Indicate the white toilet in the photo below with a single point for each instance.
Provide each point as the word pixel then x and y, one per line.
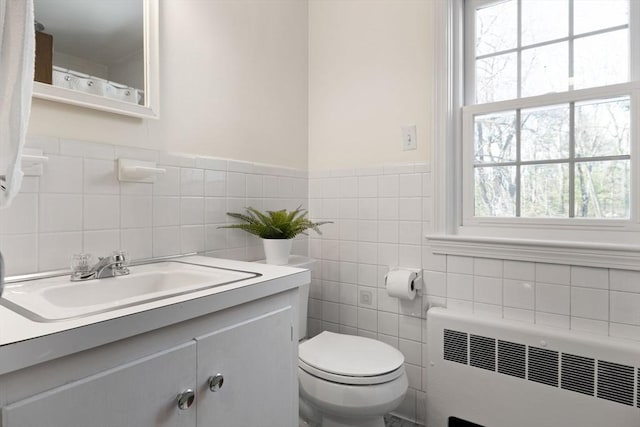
pixel 345 380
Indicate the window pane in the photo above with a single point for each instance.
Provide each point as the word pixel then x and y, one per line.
pixel 496 27
pixel 590 140
pixel 545 69
pixel 544 133
pixel 602 189
pixel 602 59
pixel 591 15
pixel 545 191
pixel 496 78
pixel 495 191
pixel 495 138
pixel 602 128
pixel 544 20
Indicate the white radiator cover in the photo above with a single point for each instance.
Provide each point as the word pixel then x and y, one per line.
pixel 499 373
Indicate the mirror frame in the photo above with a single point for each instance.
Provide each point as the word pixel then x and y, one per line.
pixel 151 78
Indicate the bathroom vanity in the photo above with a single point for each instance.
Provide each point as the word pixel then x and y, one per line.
pixel 223 356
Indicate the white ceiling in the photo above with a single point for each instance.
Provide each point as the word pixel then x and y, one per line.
pixel 104 31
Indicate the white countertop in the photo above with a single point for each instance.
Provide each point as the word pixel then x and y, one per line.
pixel 24 342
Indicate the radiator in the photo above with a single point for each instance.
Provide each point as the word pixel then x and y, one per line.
pixel 498 373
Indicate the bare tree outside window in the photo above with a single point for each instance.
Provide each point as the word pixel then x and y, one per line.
pixel 556 160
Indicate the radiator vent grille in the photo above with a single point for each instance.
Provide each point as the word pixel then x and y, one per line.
pixel 615 382
pixel 455 346
pixel 543 366
pixel 578 373
pixel 512 359
pixel 574 373
pixel 483 352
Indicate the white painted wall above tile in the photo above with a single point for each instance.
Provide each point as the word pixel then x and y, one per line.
pixel 355 116
pixel 257 115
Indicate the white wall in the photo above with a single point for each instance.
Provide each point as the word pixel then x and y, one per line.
pixel 233 84
pixel 369 74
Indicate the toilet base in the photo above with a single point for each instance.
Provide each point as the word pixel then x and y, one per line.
pixel 326 404
pixel 328 421
pixel 368 422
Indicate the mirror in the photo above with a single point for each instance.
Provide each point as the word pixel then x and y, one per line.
pixel 100 54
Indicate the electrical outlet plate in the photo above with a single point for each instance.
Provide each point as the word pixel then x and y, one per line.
pixel 366 297
pixel 409 138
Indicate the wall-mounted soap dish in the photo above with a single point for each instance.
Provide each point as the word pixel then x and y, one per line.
pixel 138 170
pixel 32 162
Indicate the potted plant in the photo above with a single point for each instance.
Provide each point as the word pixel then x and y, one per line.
pixel 276 228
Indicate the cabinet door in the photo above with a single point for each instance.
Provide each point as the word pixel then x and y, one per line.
pixel 257 359
pixel 141 393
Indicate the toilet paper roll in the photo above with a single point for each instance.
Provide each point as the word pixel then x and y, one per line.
pixel 401 284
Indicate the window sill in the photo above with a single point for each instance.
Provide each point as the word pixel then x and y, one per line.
pixel 547 251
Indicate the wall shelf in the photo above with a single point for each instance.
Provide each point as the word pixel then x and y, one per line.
pixel 32 162
pixel 138 171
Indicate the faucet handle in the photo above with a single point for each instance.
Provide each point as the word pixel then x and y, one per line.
pixel 121 257
pixel 120 260
pixel 80 265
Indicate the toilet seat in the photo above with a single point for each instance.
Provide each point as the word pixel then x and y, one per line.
pixel 348 359
pixel 350 380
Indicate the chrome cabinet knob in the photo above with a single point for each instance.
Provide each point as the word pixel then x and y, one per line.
pixel 215 382
pixel 186 399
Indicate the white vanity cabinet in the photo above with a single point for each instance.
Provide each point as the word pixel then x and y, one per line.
pixel 140 393
pixel 251 346
pixel 254 360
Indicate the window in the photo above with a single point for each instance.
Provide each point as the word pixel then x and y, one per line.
pixel 550 88
pixel 536 145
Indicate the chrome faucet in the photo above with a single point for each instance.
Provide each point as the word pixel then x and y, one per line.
pixel 109 266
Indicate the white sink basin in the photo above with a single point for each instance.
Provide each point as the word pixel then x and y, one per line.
pixel 58 298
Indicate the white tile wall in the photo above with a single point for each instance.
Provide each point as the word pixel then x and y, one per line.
pixel 380 215
pixel 78 205
pixel 378 223
pixel 63 212
pixel 519 294
pixel 590 303
pixel 460 286
pixel 520 270
pixel 624 280
pixel 625 308
pixel 552 298
pixel 487 290
pixel 590 277
pixel 368 241
pixel 24 217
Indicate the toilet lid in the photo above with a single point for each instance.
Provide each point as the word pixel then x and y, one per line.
pixel 349 355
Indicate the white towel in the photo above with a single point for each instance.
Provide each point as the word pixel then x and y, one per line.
pixel 121 92
pixel 17 57
pixel 94 86
pixel 61 79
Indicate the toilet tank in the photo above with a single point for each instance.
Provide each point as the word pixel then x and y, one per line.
pixel 299 261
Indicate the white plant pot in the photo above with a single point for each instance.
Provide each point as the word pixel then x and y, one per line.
pixel 277 250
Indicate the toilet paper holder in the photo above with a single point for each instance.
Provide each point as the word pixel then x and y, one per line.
pixel 416 283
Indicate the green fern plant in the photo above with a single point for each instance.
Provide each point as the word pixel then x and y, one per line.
pixel 280 224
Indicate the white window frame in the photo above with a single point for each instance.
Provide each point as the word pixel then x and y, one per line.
pixel 594 242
